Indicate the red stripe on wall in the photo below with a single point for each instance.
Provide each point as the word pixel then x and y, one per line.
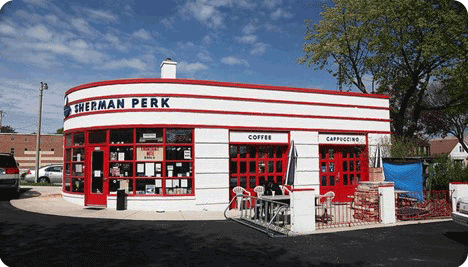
pixel 227 98
pixel 232 128
pixel 221 84
pixel 223 113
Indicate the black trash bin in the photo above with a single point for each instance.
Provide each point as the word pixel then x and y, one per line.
pixel 121 199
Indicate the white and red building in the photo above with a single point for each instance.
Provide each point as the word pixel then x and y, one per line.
pixel 180 144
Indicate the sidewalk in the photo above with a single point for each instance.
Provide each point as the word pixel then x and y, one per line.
pixel 48 200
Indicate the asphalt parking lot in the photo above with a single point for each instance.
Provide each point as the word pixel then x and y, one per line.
pixel 32 239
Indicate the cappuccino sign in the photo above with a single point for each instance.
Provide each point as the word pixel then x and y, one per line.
pixel 342 139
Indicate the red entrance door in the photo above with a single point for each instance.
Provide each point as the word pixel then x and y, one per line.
pixel 341 169
pixel 96 183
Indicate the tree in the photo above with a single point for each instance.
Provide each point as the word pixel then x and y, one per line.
pixel 401 46
pixel 59 131
pixel 7 129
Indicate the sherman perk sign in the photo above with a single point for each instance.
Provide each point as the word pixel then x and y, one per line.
pixel 116 103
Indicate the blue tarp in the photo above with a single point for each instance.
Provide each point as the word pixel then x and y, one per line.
pixel 406 176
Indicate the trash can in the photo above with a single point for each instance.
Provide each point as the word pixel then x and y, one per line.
pixel 121 199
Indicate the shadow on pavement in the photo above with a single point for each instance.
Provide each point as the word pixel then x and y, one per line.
pixel 460 237
pixel 24 193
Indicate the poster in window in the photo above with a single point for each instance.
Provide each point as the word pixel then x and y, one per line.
pixel 121 156
pixel 187 154
pixel 158 183
pixel 169 183
pixel 149 153
pixel 149 169
pixel 150 189
pixel 78 168
pixel 184 183
pixel 140 168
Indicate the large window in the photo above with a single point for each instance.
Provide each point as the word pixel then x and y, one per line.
pixel 143 161
pixel 73 178
pixel 252 165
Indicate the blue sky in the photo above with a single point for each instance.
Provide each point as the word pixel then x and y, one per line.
pixel 68 43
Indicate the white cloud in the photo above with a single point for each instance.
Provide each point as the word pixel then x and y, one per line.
pixel 272 28
pixel 185 46
pixel 204 56
pixel 7 29
pixel 52 18
pixel 125 63
pixel 142 34
pixel 191 68
pixel 115 41
pixel 82 26
pixel 245 4
pixel 234 61
pixel 39 32
pixel 249 28
pixel 43 60
pixel 204 12
pixel 79 44
pixel 259 49
pixel 207 39
pixel 247 39
pixel 281 13
pixel 169 22
pixel 99 14
pixel 41 3
pixel 271 3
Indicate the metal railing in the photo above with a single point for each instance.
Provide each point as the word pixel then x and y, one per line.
pixel 419 206
pixel 347 214
pixel 271 217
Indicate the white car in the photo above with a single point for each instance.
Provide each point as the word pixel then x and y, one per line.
pixel 9 173
pixel 47 174
pixel 460 215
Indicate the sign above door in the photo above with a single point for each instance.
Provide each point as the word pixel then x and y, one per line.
pixel 342 139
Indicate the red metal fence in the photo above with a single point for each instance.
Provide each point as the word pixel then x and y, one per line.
pixel 434 204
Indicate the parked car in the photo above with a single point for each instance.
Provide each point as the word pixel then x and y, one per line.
pixel 460 215
pixel 9 173
pixel 47 174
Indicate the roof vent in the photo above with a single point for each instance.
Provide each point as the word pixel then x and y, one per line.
pixel 168 69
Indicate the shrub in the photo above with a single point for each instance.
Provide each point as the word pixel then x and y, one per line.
pixel 443 171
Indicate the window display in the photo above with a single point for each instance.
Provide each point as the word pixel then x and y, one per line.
pixel 138 159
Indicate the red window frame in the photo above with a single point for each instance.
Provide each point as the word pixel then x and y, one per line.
pixel 249 178
pixel 132 177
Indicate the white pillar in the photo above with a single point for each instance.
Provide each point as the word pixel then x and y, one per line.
pixel 458 190
pixel 303 211
pixel 387 203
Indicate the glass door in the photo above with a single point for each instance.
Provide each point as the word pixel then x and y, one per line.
pixel 97 183
pixel 341 169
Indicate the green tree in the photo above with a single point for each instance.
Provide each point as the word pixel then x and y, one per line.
pixel 401 46
pixel 59 131
pixel 453 120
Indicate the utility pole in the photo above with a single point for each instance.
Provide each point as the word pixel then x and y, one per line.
pixel 38 134
pixel 2 113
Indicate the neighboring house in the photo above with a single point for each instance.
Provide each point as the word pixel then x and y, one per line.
pixel 23 147
pixel 451 147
